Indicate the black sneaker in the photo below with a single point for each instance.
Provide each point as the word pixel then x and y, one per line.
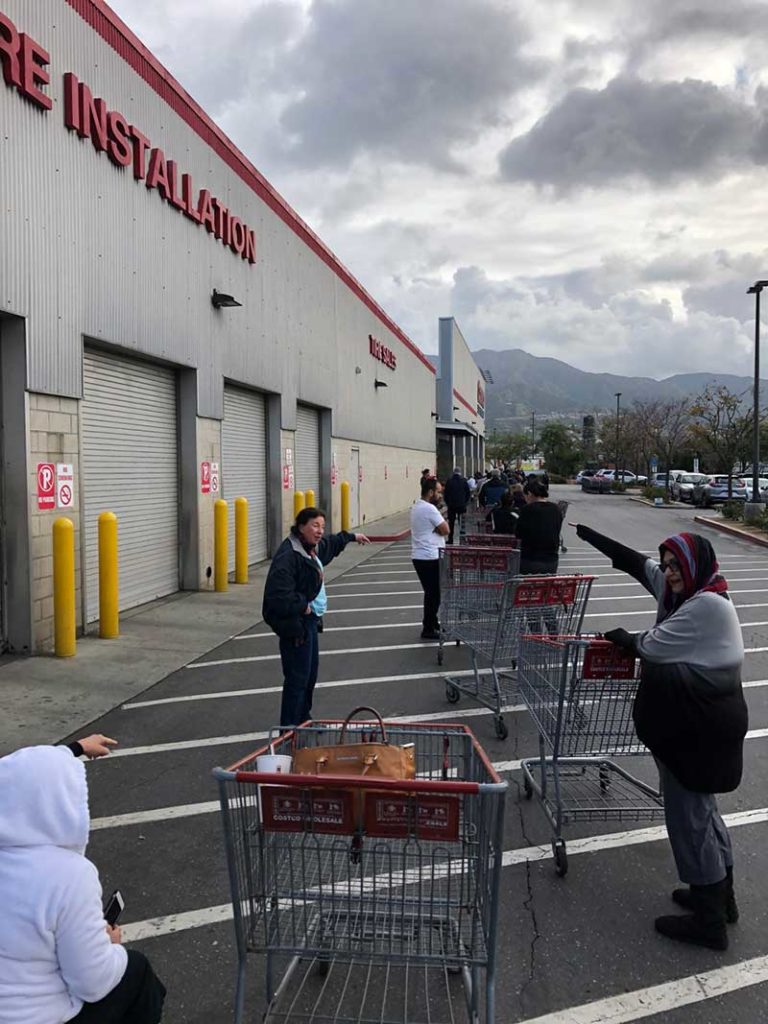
pixel 430 634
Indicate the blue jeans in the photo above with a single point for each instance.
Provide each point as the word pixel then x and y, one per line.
pixel 299 659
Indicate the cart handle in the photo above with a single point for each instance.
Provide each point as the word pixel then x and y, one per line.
pixel 359 782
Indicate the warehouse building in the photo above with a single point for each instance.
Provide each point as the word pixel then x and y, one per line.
pixel 171 332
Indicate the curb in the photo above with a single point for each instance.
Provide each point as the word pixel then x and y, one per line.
pixel 732 531
pixel 389 538
pixel 650 504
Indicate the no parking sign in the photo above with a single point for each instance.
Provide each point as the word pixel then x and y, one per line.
pixel 46 486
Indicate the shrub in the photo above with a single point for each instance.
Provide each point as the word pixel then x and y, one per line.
pixel 734 510
pixel 555 478
pixel 618 487
pixel 650 492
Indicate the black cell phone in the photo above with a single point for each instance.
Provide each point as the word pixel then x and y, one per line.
pixel 114 908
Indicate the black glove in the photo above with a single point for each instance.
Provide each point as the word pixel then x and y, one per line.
pixel 621 638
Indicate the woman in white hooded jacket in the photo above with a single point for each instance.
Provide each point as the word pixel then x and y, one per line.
pixel 58 962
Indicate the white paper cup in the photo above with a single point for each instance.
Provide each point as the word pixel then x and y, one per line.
pixel 281 763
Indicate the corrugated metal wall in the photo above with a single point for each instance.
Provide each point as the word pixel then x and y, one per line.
pixel 88 251
pixel 244 467
pixel 308 450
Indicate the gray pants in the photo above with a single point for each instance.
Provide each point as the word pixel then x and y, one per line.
pixel 697 834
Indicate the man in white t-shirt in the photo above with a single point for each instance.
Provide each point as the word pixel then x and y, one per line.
pixel 428 533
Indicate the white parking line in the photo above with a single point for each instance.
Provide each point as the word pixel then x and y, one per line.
pixel 662 998
pixel 364 681
pixel 345 650
pixel 212 741
pixel 279 689
pixel 172 923
pixel 210 806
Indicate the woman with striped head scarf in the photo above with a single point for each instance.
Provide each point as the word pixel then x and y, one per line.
pixel 691 714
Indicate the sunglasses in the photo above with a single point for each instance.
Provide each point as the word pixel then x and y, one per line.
pixel 672 564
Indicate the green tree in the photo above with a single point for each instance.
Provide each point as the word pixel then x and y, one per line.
pixel 562 448
pixel 507 447
pixel 720 428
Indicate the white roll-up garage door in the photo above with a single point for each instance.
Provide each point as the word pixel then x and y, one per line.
pixel 130 467
pixel 244 466
pixel 308 450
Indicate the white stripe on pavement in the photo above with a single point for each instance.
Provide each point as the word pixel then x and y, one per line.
pixel 278 689
pixel 662 998
pixel 212 741
pixel 171 923
pixel 346 650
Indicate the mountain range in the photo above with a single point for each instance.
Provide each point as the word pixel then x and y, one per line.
pixel 525 384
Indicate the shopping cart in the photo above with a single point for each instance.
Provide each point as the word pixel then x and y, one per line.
pixel 525 604
pixel 377 915
pixel 475 520
pixel 580 692
pixel 491 540
pixel 562 508
pixel 469 586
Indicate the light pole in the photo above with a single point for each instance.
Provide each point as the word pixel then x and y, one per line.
pixel 756 504
pixel 618 409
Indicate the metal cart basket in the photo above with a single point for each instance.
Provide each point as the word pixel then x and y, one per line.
pixel 470 581
pixel 474 520
pixel 491 540
pixel 525 604
pixel 580 692
pixel 376 899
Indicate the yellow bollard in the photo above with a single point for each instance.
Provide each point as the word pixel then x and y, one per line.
pixel 309 498
pixel 220 551
pixel 109 591
pixel 345 510
pixel 241 540
pixel 64 643
pixel 298 502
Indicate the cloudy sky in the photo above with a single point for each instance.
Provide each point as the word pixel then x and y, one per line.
pixel 582 179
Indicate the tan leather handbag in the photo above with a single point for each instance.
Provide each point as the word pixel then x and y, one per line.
pixel 375 759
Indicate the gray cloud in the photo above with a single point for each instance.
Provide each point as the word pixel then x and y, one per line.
pixel 665 132
pixel 405 80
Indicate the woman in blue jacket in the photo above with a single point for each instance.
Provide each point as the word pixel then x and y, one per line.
pixel 294 604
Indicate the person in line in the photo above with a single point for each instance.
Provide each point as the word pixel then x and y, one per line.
pixel 294 604
pixel 538 529
pixel 428 533
pixel 59 960
pixel 691 714
pixel 504 517
pixel 492 490
pixel 518 497
pixel 457 495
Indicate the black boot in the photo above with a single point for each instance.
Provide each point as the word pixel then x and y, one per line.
pixel 706 925
pixel 682 898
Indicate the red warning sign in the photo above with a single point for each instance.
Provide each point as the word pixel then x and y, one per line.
pixel 205 478
pixel 46 486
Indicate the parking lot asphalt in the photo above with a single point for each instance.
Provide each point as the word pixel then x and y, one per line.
pixel 578 949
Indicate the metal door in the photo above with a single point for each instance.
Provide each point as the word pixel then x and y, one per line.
pixel 244 466
pixel 308 449
pixel 129 466
pixel 354 488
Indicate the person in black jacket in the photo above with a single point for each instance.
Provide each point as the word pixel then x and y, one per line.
pixel 691 714
pixel 504 517
pixel 456 495
pixel 294 603
pixel 538 529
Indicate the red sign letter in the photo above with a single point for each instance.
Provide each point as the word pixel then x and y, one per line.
pixel 9 52
pixel 33 62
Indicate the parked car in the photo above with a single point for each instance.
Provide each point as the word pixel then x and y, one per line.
pixel 626 475
pixel 660 479
pixel 596 484
pixel 682 487
pixel 714 489
pixel 584 472
pixel 762 483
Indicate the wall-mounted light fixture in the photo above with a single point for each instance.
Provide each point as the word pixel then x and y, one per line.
pixel 380 384
pixel 221 301
pixel 433 415
pixel 456 408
